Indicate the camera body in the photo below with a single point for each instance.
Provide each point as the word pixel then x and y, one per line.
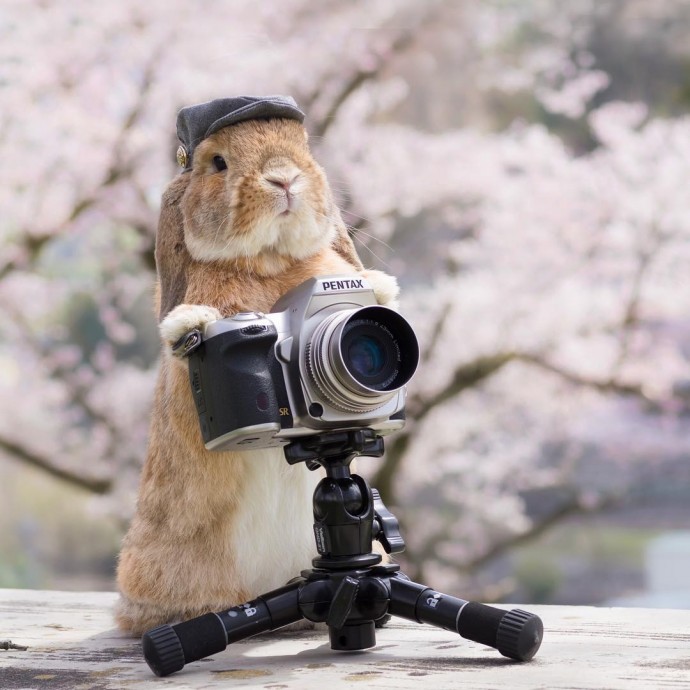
pixel 328 357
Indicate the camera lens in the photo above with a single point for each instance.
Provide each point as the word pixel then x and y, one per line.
pixel 366 356
pixel 359 358
pixel 371 353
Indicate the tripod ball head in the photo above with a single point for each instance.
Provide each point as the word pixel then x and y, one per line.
pixel 339 500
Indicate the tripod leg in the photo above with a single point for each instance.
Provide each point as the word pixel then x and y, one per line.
pixel 168 648
pixel 516 634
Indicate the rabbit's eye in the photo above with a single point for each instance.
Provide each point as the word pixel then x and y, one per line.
pixel 219 163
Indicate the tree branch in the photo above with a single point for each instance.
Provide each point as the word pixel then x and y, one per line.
pixel 469 375
pixel 119 169
pixel 400 43
pixel 465 376
pixel 573 506
pixel 92 484
pixel 630 320
pixel 608 385
pixel 78 399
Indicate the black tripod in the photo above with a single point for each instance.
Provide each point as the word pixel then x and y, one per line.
pixel 348 588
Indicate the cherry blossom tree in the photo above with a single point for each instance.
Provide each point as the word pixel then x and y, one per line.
pixel 545 281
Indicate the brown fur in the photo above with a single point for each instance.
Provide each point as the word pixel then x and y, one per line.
pixel 178 558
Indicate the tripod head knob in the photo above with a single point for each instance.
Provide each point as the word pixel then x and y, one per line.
pixel 386 526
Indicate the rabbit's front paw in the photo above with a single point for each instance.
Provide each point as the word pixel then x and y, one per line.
pixel 385 288
pixel 185 318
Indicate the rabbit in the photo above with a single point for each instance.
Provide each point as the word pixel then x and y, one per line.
pixel 252 218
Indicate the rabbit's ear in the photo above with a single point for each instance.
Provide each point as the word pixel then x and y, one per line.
pixel 172 257
pixel 343 244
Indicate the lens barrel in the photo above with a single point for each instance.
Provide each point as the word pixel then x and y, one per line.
pixel 360 358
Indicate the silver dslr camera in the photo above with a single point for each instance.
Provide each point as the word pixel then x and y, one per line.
pixel 327 357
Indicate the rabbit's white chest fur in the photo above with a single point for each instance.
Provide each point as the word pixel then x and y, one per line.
pixel 272 534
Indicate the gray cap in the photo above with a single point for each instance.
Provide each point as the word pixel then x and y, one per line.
pixel 196 122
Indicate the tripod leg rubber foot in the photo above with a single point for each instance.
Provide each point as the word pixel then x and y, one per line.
pixel 519 635
pixel 163 650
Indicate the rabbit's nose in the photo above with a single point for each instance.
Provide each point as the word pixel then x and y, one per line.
pixel 284 179
pixel 283 182
pixel 281 172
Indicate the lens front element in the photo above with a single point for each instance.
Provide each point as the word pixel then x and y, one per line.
pixel 366 355
pixel 371 353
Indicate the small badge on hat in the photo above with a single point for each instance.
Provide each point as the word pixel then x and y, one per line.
pixel 182 156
